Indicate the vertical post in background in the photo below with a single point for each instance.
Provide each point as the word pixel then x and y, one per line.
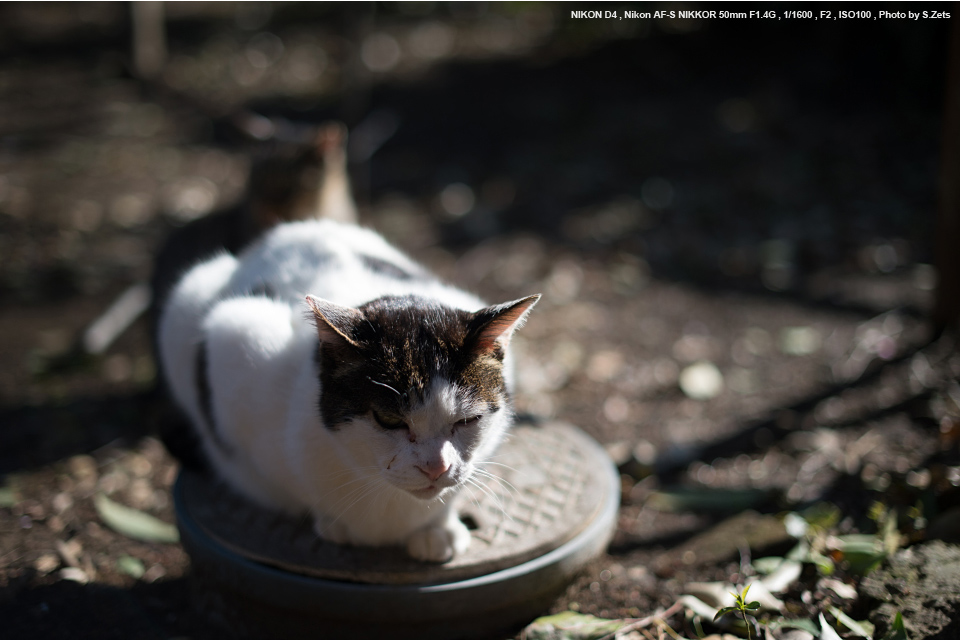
pixel 947 241
pixel 149 38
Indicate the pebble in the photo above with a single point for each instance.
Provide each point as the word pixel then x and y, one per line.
pixel 800 341
pixel 616 408
pixel 701 380
pixel 154 573
pixel 56 524
pixel 140 494
pixel 46 563
pixel 604 365
pixel 70 551
pixel 618 451
pixel 138 465
pixel 62 501
pixel 84 469
pixel 74 574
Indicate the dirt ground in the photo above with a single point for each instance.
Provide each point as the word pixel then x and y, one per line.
pixel 751 198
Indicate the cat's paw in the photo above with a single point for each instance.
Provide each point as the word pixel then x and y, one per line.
pixel 439 543
pixel 331 530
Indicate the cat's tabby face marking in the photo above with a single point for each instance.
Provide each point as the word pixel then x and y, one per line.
pixel 418 381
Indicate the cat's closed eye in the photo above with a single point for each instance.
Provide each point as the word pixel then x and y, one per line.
pixel 389 422
pixel 469 421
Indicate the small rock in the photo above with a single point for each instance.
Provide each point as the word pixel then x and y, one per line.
pixel 618 451
pixel 799 341
pixel 33 509
pixel 84 469
pixel 70 551
pixel 616 408
pixel 62 501
pixel 154 573
pixel 56 524
pixel 603 366
pixel 138 465
pixel 645 452
pixel 701 380
pixel 74 574
pixel 46 563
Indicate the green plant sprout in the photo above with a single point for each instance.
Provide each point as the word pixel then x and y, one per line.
pixel 740 606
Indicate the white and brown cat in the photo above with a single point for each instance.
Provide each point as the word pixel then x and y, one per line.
pixel 326 372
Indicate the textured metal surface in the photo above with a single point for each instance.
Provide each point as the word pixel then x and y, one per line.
pixel 552 484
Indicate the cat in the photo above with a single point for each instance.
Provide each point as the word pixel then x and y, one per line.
pixel 328 373
pixel 297 172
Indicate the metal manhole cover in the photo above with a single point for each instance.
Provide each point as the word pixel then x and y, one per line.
pixel 549 489
pixel 262 574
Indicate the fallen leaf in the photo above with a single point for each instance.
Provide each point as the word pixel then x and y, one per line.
pixel 570 625
pixel 131 566
pixel 8 496
pixel 863 552
pixel 826 631
pixel 780 579
pixel 134 524
pixel 842 589
pixel 863 629
pixel 767 565
pixel 698 606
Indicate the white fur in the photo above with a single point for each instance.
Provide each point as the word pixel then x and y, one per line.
pixel 362 484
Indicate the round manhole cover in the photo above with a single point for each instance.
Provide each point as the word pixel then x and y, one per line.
pixel 550 509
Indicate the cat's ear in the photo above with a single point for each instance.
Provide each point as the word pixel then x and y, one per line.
pixel 334 323
pixel 492 327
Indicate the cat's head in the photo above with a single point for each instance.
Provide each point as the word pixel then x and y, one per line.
pixel 416 388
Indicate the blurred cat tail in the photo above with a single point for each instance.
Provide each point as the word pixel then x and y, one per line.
pixel 335 199
pixel 324 147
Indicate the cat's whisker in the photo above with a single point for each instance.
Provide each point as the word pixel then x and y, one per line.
pixel 468 486
pixel 340 486
pixel 501 481
pixel 381 384
pixel 357 495
pixel 364 481
pixel 494 498
pixel 478 480
pixel 382 497
pixel 499 464
pixel 499 497
pixel 493 461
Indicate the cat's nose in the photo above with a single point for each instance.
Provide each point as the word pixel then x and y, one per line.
pixel 434 470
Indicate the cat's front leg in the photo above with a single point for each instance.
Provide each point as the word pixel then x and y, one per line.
pixel 439 542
